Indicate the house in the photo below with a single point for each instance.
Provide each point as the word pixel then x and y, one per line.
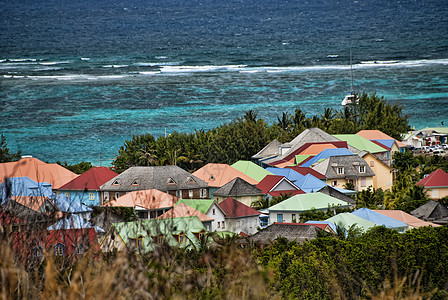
pixel 436 184
pixel 380 137
pixel 240 190
pixel 73 222
pixel 182 210
pixel 211 209
pixel 24 186
pixel 276 185
pixel 216 175
pixel 86 187
pixel 410 220
pixel 328 226
pixel 307 183
pixel 363 144
pixel 145 235
pixel 17 217
pixel 148 204
pixel 348 220
pixel 381 219
pixel 37 171
pixel 252 170
pixel 336 193
pixel 341 170
pixel 305 171
pixel 432 211
pixel 66 243
pixel 104 220
pixel 286 153
pixel 240 218
pixel 289 210
pixel 326 153
pixel 432 136
pixel 168 179
pixel 384 175
pixel 291 231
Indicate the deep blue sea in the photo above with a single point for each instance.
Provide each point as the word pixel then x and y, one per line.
pixel 78 78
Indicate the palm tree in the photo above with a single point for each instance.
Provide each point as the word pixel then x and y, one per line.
pixel 298 118
pixel 327 117
pixel 284 122
pixel 251 116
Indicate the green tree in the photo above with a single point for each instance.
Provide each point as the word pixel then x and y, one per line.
pixel 5 155
pixel 77 168
pixel 371 198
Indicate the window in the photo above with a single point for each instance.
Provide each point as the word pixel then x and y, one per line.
pixel 181 238
pixel 223 224
pixel 190 193
pixel 212 177
pixel 238 223
pixel 59 250
pixel 38 252
pixel 190 180
pixel 179 193
pixel 139 242
pixel 362 169
pixel 170 181
pixel 372 163
pixel 106 196
pixel 116 182
pixel 280 218
pixel 117 195
pixel 80 249
pixel 67 195
pixel 363 181
pixel 160 239
pixel 203 193
pixel 201 235
pixel 213 211
pixel 340 170
pixel 219 224
pixel 293 218
pixel 91 196
pixel 135 182
pixel 334 183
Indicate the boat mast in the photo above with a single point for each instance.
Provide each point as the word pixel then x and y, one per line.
pixel 351 72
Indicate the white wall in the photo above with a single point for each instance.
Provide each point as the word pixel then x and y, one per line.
pixel 218 216
pixel 245 224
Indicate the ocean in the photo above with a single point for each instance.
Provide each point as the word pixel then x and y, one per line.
pixel 78 78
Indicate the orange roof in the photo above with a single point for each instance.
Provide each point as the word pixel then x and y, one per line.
pixel 315 149
pixel 38 171
pixel 378 135
pixel 286 163
pixel 33 202
pixel 405 218
pixel 149 199
pixel 217 175
pixel 183 210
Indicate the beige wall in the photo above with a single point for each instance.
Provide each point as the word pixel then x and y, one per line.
pixel 383 174
pixel 341 182
pixel 437 193
pixel 247 200
pixel 108 244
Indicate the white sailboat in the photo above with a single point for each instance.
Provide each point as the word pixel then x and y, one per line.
pixel 350 98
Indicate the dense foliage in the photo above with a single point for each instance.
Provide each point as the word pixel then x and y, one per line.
pixel 333 268
pixel 5 155
pixel 77 168
pixel 247 135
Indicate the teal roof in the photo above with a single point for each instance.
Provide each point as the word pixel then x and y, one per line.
pixel 304 202
pixel 252 170
pixel 202 205
pixel 436 129
pixel 360 143
pixel 346 220
pixel 148 229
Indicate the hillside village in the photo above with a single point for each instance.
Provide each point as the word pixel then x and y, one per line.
pixel 57 211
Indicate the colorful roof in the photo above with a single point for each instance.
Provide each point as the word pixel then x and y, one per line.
pixel 378 135
pixel 306 202
pixel 270 182
pixel 406 218
pixel 438 178
pixel 36 203
pixel 304 171
pixel 236 209
pixel 347 220
pixel 37 170
pixel 330 224
pixel 182 210
pixel 325 154
pixel 149 199
pixel 315 149
pixel 310 184
pixel 386 144
pixel 90 180
pixel 216 175
pixel 380 219
pixel 24 186
pixel 202 205
pixel 360 143
pixel 73 222
pixel 250 169
pixel 237 187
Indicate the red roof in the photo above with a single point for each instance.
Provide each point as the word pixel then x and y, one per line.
pixel 438 178
pixel 381 145
pixel 270 181
pixel 90 180
pixel 305 170
pixel 235 209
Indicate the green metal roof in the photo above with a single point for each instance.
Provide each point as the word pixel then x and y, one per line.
pixel 252 170
pixel 346 220
pixel 202 205
pixel 148 229
pixel 301 158
pixel 443 130
pixel 304 202
pixel 360 143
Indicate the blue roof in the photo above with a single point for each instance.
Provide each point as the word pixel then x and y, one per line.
pixel 73 222
pixel 24 186
pixel 331 224
pixel 310 184
pixel 292 175
pixel 65 204
pixel 387 143
pixel 326 154
pixel 380 219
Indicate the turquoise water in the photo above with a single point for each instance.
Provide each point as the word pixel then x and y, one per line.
pixel 73 73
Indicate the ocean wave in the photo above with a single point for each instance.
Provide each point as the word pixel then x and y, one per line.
pixel 209 68
pixel 19 60
pixel 85 58
pixel 149 73
pixel 115 66
pixel 50 63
